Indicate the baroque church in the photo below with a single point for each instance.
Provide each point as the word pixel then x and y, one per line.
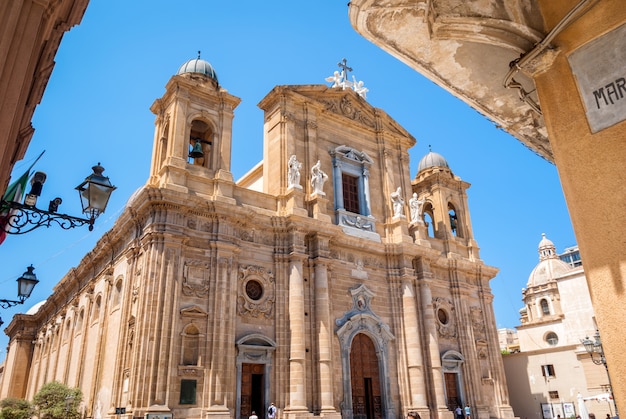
pixel 326 280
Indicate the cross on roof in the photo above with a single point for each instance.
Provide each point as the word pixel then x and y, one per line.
pixel 343 64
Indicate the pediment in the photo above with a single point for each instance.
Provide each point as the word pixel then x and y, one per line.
pixel 342 103
pixel 350 105
pixel 193 311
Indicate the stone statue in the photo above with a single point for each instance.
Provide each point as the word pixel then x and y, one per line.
pixel 415 205
pixel 293 173
pixel 398 203
pixel 318 177
pixel 359 88
pixel 336 78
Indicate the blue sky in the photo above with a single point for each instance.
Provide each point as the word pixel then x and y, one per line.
pixel 112 67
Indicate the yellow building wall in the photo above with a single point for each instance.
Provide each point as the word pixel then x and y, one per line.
pixel 592 172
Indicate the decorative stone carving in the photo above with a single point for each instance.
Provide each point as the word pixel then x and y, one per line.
pixel 357 222
pixel 195 278
pixel 445 319
pixel 478 323
pixel 256 290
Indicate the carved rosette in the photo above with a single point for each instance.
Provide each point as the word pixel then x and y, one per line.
pixel 444 315
pixel 195 278
pixel 256 290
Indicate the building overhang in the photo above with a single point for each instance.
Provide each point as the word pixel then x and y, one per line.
pixel 468 49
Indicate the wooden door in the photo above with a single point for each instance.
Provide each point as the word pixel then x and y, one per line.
pixel 365 379
pixel 252 390
pixel 452 391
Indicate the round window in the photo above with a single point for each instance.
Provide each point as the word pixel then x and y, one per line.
pixel 442 315
pixel 254 290
pixel 552 339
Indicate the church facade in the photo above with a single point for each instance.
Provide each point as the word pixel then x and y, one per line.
pixel 327 280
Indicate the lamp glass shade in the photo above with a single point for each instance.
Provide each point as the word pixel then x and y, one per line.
pixel 26 283
pixel 588 344
pixel 95 192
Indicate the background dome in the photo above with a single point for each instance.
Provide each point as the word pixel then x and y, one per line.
pixel 198 65
pixel 550 266
pixel 548 270
pixel 432 159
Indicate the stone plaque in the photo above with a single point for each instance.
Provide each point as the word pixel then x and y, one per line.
pixel 599 68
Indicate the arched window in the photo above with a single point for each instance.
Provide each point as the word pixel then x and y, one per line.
pixel 67 328
pixel 117 293
pixel 429 219
pixel 454 220
pixel 200 142
pixel 545 307
pixel 95 313
pixel 163 145
pixel 79 321
pixel 191 345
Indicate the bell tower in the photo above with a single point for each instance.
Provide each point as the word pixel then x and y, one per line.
pixel 193 131
pixel 445 213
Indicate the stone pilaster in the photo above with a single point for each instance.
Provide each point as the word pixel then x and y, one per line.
pixel 324 339
pixel 297 345
pixel 432 344
pixel 415 363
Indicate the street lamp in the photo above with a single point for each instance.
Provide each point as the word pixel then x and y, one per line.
pixel 69 400
pixel 94 193
pixel 25 285
pixel 594 347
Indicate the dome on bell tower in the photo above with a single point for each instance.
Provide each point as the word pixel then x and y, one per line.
pixel 432 159
pixel 198 65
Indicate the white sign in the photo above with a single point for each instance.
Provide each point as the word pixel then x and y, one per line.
pixel 600 71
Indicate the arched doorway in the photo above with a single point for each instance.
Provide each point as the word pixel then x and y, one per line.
pixel 451 362
pixel 364 335
pixel 365 379
pixel 254 363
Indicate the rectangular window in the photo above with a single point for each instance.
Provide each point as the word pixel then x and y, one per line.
pixel 548 370
pixel 187 392
pixel 553 394
pixel 350 193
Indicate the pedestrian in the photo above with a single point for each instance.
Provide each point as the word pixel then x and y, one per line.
pixel 253 415
pixel 271 411
pixel 458 412
pixel 467 411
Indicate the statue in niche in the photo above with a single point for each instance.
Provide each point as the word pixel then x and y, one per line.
pixel 415 205
pixel 398 203
pixel 318 177
pixel 293 174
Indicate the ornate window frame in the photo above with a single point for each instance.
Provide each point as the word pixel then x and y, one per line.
pixel 354 163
